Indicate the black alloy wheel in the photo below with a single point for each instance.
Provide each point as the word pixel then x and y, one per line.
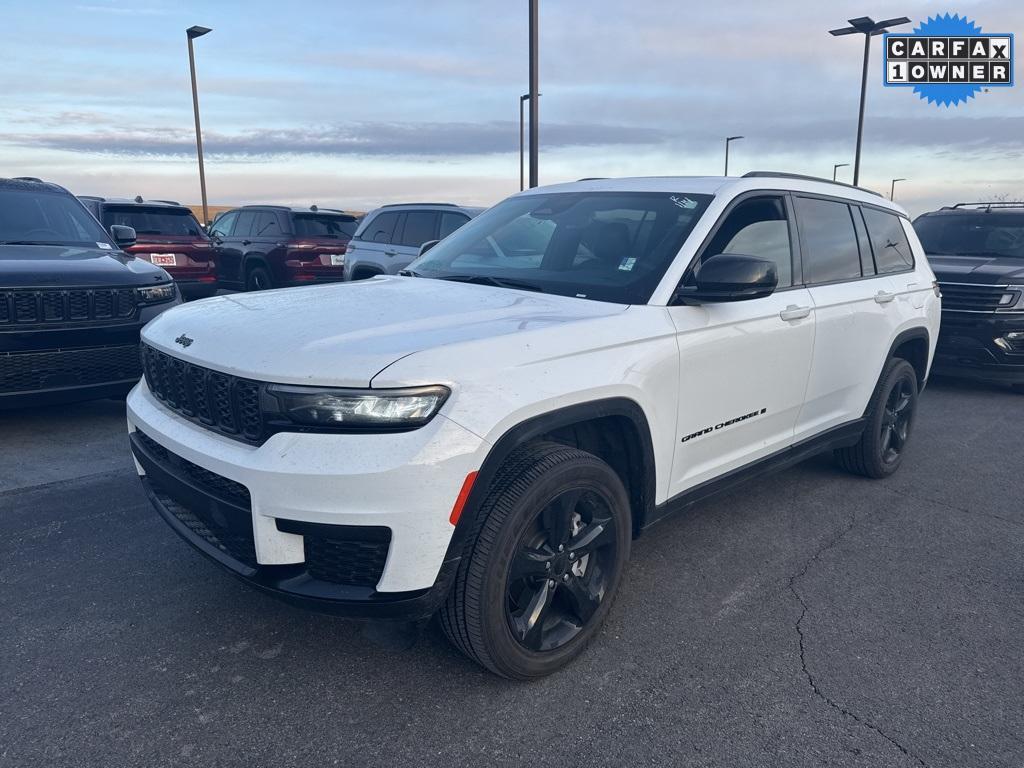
pixel 899 408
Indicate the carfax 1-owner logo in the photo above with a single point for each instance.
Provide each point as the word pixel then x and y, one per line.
pixel 948 59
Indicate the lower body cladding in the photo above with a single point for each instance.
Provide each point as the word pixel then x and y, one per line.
pixel 981 346
pixel 349 524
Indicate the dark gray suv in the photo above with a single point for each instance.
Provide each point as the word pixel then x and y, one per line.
pixel 389 238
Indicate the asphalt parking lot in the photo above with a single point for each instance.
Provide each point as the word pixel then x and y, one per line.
pixel 811 619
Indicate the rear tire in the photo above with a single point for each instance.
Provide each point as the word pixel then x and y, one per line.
pixel 258 279
pixel 551 543
pixel 890 419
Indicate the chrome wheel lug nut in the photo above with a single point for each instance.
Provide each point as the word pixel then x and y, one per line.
pixel 572 555
pixel 551 583
pixel 565 577
pixel 547 566
pixel 561 547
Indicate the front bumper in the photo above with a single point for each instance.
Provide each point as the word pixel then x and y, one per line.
pixel 967 347
pixel 291 517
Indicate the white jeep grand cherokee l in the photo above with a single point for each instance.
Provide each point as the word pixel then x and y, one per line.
pixel 584 359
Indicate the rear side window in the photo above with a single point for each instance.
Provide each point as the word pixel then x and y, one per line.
pixel 382 228
pixel 449 223
pixel 420 226
pixel 830 250
pixel 222 227
pixel 888 241
pixel 267 225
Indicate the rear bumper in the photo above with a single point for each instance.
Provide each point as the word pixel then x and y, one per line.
pixel 967 347
pixel 196 288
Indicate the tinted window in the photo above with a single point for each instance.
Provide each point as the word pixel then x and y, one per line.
pixel 47 218
pixel 420 226
pixel 153 221
pixel 757 227
pixel 608 246
pixel 382 228
pixel 325 225
pixel 267 225
pixel 830 242
pixel 888 241
pixel 999 233
pixel 222 227
pixel 244 225
pixel 867 261
pixel 449 223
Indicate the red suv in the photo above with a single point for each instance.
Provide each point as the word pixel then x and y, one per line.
pixel 167 235
pixel 272 246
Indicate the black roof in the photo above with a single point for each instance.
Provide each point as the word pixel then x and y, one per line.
pixel 31 184
pixel 133 201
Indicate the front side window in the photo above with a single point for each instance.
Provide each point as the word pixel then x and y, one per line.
pixel 757 227
pixel 888 241
pixel 382 228
pixel 244 226
pixel 608 246
pixel 222 227
pixel 830 249
pixel 174 222
pixel 449 223
pixel 982 234
pixel 47 218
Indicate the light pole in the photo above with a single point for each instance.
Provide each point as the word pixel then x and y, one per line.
pixel 522 132
pixel 836 167
pixel 192 33
pixel 534 91
pixel 727 140
pixel 892 188
pixel 868 27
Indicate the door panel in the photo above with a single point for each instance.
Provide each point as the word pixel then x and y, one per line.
pixel 743 374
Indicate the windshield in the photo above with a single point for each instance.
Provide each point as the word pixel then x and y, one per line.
pixel 973 234
pixel 608 246
pixel 176 222
pixel 40 217
pixel 312 225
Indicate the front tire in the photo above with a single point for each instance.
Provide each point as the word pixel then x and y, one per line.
pixel 890 418
pixel 258 279
pixel 551 542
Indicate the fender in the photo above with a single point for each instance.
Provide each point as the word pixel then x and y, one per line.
pixel 546 422
pixel 918 332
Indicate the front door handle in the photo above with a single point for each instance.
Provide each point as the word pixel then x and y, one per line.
pixel 390 253
pixel 793 312
pixel 247 242
pixel 884 297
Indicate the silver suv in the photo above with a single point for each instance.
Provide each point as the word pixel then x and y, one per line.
pixel 390 237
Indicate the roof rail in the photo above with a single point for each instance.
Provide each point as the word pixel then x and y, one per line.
pixel 262 205
pixel 804 177
pixel 28 178
pixel 593 178
pixel 990 205
pixel 169 202
pixel 398 205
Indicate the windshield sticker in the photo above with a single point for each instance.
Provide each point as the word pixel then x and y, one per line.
pixel 627 264
pixel 104 246
pixel 684 203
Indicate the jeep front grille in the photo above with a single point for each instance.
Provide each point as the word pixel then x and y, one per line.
pixel 47 306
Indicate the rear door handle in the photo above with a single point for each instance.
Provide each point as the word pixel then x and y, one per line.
pixel 793 312
pixel 884 297
pixel 247 242
pixel 390 253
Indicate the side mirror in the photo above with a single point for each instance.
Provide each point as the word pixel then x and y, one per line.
pixel 123 236
pixel 730 277
pixel 427 246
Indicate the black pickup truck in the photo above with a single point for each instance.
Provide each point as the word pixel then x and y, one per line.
pixel 72 302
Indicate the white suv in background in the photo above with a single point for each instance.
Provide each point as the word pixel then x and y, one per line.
pixel 486 443
pixel 390 237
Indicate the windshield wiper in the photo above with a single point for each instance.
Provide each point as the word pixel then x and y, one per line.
pixel 498 282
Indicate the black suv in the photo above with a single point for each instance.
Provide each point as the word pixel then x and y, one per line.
pixel 977 253
pixel 71 301
pixel 271 246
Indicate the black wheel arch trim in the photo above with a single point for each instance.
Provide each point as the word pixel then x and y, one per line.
pixel 911 334
pixel 544 423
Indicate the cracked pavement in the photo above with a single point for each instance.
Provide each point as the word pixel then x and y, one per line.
pixel 808 619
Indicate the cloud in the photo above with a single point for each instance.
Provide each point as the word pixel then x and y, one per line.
pixel 363 138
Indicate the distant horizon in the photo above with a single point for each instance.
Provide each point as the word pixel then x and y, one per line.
pixel 354 105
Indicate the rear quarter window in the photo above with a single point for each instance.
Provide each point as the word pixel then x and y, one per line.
pixel 888 241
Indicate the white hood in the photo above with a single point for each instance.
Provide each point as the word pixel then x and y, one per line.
pixel 344 334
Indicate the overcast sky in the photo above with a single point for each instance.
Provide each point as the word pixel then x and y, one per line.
pixel 355 103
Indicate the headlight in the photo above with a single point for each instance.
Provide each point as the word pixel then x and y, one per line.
pixel 359 408
pixel 156 293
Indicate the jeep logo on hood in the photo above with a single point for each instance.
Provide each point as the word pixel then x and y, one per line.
pixel 183 340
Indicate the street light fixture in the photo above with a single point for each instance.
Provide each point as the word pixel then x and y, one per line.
pixel 836 167
pixel 192 33
pixel 522 132
pixel 868 27
pixel 534 91
pixel 892 188
pixel 727 140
